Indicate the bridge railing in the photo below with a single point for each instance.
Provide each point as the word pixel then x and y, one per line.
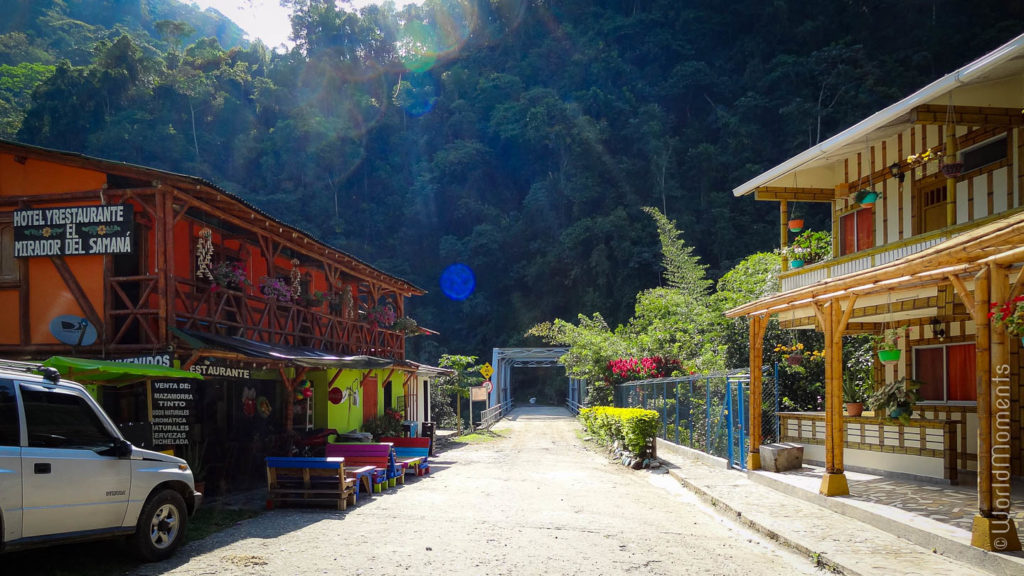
pixel 491 415
pixel 573 406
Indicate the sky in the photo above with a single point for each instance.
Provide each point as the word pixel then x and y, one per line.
pixel 264 19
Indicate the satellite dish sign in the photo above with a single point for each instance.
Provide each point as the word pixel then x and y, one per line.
pixel 73 330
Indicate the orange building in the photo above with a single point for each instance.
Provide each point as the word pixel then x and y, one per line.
pixel 105 260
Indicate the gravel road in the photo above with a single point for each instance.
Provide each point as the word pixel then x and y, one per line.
pixel 533 501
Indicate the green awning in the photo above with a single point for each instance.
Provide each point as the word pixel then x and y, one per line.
pixel 87 371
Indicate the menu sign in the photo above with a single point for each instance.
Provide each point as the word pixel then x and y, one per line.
pixel 73 230
pixel 173 411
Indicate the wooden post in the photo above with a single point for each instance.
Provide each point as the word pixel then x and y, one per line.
pixel 950 152
pixel 784 230
pixel 757 329
pixel 994 527
pixel 833 483
pixel 164 220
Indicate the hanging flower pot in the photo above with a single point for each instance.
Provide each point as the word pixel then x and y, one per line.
pixel 889 356
pixel 796 224
pixel 952 169
pixel 796 263
pixel 795 359
pixel 866 197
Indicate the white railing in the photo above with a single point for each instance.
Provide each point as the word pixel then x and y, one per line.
pixel 855 263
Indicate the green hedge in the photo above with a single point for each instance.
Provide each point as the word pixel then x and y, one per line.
pixel 633 426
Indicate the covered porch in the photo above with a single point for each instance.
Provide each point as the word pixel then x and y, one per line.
pixel 954 282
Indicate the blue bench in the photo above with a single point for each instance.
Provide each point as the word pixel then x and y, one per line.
pixel 412 453
pixel 309 481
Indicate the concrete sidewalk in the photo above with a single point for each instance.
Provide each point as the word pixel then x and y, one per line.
pixel 840 534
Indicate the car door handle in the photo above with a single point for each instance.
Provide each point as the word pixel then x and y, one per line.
pixel 42 468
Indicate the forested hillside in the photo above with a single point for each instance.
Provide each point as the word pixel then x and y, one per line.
pixel 521 137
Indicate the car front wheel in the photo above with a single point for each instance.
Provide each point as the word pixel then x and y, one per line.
pixel 161 526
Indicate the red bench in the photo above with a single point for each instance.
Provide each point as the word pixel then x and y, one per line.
pixel 380 456
pixel 413 452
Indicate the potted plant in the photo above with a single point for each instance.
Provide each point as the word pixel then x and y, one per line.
pixel 313 299
pixel 808 248
pixel 1009 315
pixel 381 315
pixel 193 453
pixel 896 399
pixel 407 326
pixel 795 224
pixel 853 396
pixel 275 289
pixel 952 169
pixel 888 344
pixel 866 197
pixel 229 275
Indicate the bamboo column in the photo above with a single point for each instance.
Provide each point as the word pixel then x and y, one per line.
pixel 833 483
pixel 950 152
pixel 784 231
pixel 757 329
pixel 994 527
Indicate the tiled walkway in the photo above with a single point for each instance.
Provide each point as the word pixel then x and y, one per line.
pixel 952 505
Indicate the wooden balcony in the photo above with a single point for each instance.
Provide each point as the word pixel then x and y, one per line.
pixel 200 306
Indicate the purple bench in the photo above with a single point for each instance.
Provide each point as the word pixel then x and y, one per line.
pixel 380 456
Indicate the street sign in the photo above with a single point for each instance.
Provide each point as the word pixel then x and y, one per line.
pixel 486 370
pixel 488 386
pixel 477 394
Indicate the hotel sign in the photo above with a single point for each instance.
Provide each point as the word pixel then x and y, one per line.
pixel 73 230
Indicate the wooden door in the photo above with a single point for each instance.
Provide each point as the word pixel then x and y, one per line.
pixel 369 399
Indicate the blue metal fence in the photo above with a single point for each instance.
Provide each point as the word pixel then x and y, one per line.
pixel 707 412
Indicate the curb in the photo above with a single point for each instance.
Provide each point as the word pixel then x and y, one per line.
pixel 990 562
pixel 821 560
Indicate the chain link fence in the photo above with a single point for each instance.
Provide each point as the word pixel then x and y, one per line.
pixel 706 412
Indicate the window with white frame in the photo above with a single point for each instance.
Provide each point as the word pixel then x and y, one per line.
pixel 946 372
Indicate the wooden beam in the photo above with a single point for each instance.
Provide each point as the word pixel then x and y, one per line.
pixel 76 291
pixel 847 313
pixel 819 314
pixel 964 294
pixel 983 116
pixel 777 193
pixel 1016 287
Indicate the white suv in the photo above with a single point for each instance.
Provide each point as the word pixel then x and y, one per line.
pixel 67 474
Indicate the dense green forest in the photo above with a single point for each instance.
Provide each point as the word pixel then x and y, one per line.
pixel 521 137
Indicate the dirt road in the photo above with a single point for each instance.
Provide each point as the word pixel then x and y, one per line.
pixel 534 501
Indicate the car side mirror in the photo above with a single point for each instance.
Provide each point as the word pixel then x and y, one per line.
pixel 123 449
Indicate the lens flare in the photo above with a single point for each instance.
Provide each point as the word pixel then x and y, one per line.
pixel 416 94
pixel 458 281
pixel 435 33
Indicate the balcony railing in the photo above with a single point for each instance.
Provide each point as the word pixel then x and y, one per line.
pixel 868 259
pixel 861 261
pixel 134 313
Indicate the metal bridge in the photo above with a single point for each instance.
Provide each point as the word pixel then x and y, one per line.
pixel 504 359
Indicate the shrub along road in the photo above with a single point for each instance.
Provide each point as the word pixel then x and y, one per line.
pixel 532 500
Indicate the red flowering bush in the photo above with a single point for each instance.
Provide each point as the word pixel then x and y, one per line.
pixel 1009 315
pixel 630 369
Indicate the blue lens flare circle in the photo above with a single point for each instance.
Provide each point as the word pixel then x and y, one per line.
pixel 458 281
